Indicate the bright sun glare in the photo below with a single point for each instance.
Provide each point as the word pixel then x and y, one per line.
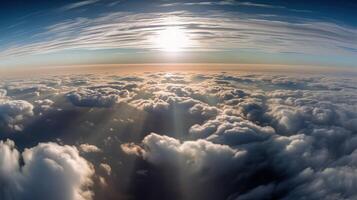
pixel 172 39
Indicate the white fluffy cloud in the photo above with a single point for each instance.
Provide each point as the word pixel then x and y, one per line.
pixel 232 130
pixel 96 97
pixel 105 168
pixel 191 156
pixel 257 135
pixel 2 93
pixel 13 112
pixel 89 148
pixel 49 171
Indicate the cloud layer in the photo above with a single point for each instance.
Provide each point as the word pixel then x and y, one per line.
pixel 214 30
pixel 182 135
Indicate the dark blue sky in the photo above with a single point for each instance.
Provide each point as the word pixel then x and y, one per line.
pixel 276 31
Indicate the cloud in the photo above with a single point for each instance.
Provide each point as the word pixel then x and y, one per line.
pixel 218 135
pixel 2 93
pixel 173 98
pixel 231 130
pixel 214 30
pixel 96 97
pixel 204 110
pixel 88 148
pixel 106 168
pixel 14 112
pixel 223 3
pixel 190 156
pixel 132 149
pixel 260 192
pixel 156 105
pixel 78 5
pixel 288 119
pixel 283 132
pixel 44 104
pixel 332 183
pixel 49 171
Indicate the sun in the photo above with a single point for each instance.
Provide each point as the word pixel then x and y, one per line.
pixel 172 39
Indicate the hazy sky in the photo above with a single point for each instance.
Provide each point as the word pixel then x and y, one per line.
pixel 40 33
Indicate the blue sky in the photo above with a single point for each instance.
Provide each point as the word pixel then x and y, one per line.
pixel 40 33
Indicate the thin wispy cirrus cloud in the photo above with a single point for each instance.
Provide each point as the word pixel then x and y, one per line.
pixel 78 5
pixel 222 3
pixel 213 30
pixel 234 3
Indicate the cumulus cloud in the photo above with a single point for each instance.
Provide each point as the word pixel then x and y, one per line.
pixel 28 88
pixel 96 97
pixel 156 105
pixel 49 171
pixel 88 148
pixel 258 135
pixel 192 156
pixel 174 97
pixel 260 192
pixel 289 130
pixel 232 130
pixel 204 110
pixel 14 112
pixel 288 119
pixel 132 149
pixel 106 168
pixel 2 93
pixel 45 104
